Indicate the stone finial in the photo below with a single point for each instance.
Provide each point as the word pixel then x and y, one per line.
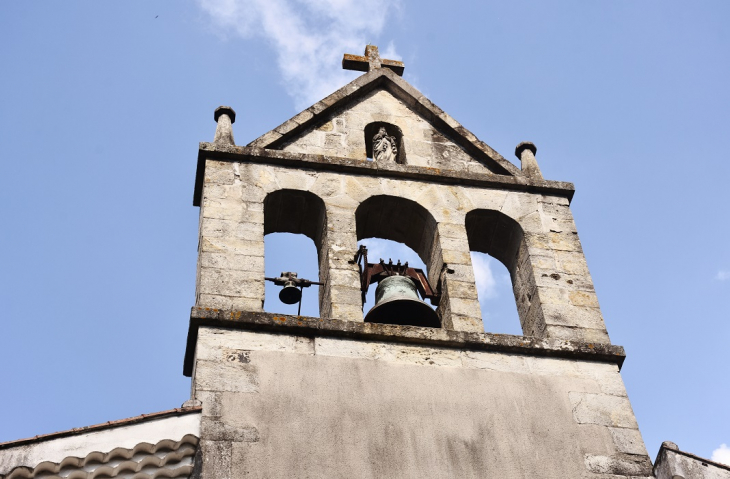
pixel 371 61
pixel 525 151
pixel 225 117
pixel 670 445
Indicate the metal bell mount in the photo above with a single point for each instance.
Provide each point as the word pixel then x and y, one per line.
pixel 397 295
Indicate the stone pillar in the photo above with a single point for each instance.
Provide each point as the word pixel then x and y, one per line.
pixel 564 304
pixel 340 297
pixel 231 246
pixel 451 268
pixel 224 117
pixel 526 151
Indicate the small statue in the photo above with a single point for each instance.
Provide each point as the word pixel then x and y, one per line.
pixel 384 148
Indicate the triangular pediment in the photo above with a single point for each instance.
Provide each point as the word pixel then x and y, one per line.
pixel 428 137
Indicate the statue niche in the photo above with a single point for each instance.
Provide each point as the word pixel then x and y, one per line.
pixel 384 143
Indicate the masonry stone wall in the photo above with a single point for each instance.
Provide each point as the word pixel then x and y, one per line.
pixel 343 135
pixel 553 288
pixel 282 405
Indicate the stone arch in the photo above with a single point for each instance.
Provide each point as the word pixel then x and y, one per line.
pixel 503 238
pixel 371 129
pixel 397 219
pixel 407 222
pixel 299 212
pixel 295 211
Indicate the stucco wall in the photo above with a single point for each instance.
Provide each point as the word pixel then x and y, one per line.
pixel 277 405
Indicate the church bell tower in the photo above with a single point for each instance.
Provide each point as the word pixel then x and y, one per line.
pixel 401 390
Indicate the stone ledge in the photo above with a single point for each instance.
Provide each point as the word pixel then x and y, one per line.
pixel 361 167
pixel 313 327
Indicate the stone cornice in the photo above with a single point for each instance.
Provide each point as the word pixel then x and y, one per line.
pixel 436 337
pixel 347 165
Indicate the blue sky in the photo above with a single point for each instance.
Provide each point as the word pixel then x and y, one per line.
pixel 102 105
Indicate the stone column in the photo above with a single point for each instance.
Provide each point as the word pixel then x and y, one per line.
pixel 340 297
pixel 564 304
pixel 231 247
pixel 451 268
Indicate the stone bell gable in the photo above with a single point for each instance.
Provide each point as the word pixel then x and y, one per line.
pixel 444 193
pixel 406 392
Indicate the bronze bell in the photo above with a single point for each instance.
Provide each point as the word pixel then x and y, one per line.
pixel 397 302
pixel 290 293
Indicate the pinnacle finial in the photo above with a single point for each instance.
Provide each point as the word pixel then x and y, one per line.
pixel 224 117
pixel 525 151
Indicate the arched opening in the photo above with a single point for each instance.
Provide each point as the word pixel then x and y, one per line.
pixel 411 231
pixel 291 252
pixel 294 221
pixel 496 298
pixel 397 219
pixel 395 134
pixel 500 237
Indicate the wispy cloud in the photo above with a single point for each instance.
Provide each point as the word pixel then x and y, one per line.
pixel 486 284
pixel 309 36
pixel 721 454
pixel 722 275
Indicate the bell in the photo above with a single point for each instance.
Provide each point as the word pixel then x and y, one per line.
pixel 290 293
pixel 397 302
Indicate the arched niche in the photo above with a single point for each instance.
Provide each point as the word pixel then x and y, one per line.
pixel 397 219
pixel 403 221
pixel 295 211
pixel 372 129
pixel 298 212
pixel 502 238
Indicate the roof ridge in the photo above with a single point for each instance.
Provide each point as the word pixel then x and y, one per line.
pixel 105 425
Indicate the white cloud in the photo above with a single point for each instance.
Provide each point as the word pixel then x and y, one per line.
pixel 486 284
pixel 722 275
pixel 309 36
pixel 721 454
pixel 381 248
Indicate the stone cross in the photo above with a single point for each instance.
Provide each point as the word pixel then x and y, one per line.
pixel 371 61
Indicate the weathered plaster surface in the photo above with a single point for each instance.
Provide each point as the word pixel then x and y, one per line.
pixel 295 406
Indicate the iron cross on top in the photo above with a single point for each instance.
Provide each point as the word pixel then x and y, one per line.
pixel 370 61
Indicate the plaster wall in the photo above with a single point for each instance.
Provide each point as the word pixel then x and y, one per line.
pixel 277 405
pixel 553 288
